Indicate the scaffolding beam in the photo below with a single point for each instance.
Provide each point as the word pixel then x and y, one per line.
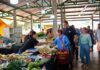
pixel 15 7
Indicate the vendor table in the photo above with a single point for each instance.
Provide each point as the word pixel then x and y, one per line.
pixel 5 51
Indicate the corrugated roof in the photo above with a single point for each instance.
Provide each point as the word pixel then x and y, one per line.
pixel 72 8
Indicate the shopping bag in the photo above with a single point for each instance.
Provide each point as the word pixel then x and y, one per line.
pixel 62 56
pixel 98 46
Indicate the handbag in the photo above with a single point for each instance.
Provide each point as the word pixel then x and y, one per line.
pixel 62 56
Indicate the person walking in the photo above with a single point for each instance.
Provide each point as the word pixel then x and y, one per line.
pixel 90 31
pixel 70 31
pixel 76 41
pixel 85 47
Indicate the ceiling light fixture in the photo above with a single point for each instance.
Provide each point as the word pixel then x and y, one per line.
pixel 14 1
pixel 43 11
pixel 27 3
pixel 52 16
pixel 79 15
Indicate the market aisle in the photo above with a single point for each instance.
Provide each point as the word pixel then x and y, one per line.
pixel 95 62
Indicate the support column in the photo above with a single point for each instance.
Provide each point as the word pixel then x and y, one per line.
pixel 31 23
pixel 14 17
pixel 64 12
pixel 15 24
pixel 61 17
pixel 40 25
pixel 92 23
pixel 54 6
pixel 99 11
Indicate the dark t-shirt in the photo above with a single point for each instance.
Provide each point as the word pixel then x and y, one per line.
pixel 26 37
pixel 69 32
pixel 30 43
pixel 91 34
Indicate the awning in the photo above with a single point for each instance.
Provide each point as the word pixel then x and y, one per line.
pixel 2 26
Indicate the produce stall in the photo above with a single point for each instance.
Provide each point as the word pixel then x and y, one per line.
pixel 29 60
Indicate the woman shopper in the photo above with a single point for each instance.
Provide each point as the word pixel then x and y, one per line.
pixel 62 43
pixel 85 47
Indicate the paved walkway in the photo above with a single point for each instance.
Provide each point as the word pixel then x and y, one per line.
pixel 95 62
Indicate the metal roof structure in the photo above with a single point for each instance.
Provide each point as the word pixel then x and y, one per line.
pixel 73 9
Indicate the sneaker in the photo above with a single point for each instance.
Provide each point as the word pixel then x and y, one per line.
pixel 83 65
pixel 76 59
pixel 86 67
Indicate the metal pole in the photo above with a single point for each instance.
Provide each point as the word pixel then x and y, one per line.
pixel 40 25
pixel 15 24
pixel 54 5
pixel 61 17
pixel 99 11
pixel 92 23
pixel 31 23
pixel 14 17
pixel 64 12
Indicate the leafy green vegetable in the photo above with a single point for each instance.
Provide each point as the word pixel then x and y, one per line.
pixel 41 34
pixel 15 65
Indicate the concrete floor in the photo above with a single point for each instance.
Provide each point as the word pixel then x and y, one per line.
pixel 95 61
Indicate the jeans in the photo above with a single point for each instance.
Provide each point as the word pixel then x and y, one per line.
pixel 85 52
pixel 76 52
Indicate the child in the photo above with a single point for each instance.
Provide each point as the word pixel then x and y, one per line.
pixel 76 42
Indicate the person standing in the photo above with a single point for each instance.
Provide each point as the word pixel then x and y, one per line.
pixel 50 36
pixel 90 31
pixel 62 43
pixel 97 35
pixel 76 41
pixel 29 43
pixel 70 32
pixel 28 36
pixel 85 47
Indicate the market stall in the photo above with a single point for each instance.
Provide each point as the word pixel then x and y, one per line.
pixel 29 60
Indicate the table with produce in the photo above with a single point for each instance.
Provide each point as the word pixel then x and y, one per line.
pixel 29 60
